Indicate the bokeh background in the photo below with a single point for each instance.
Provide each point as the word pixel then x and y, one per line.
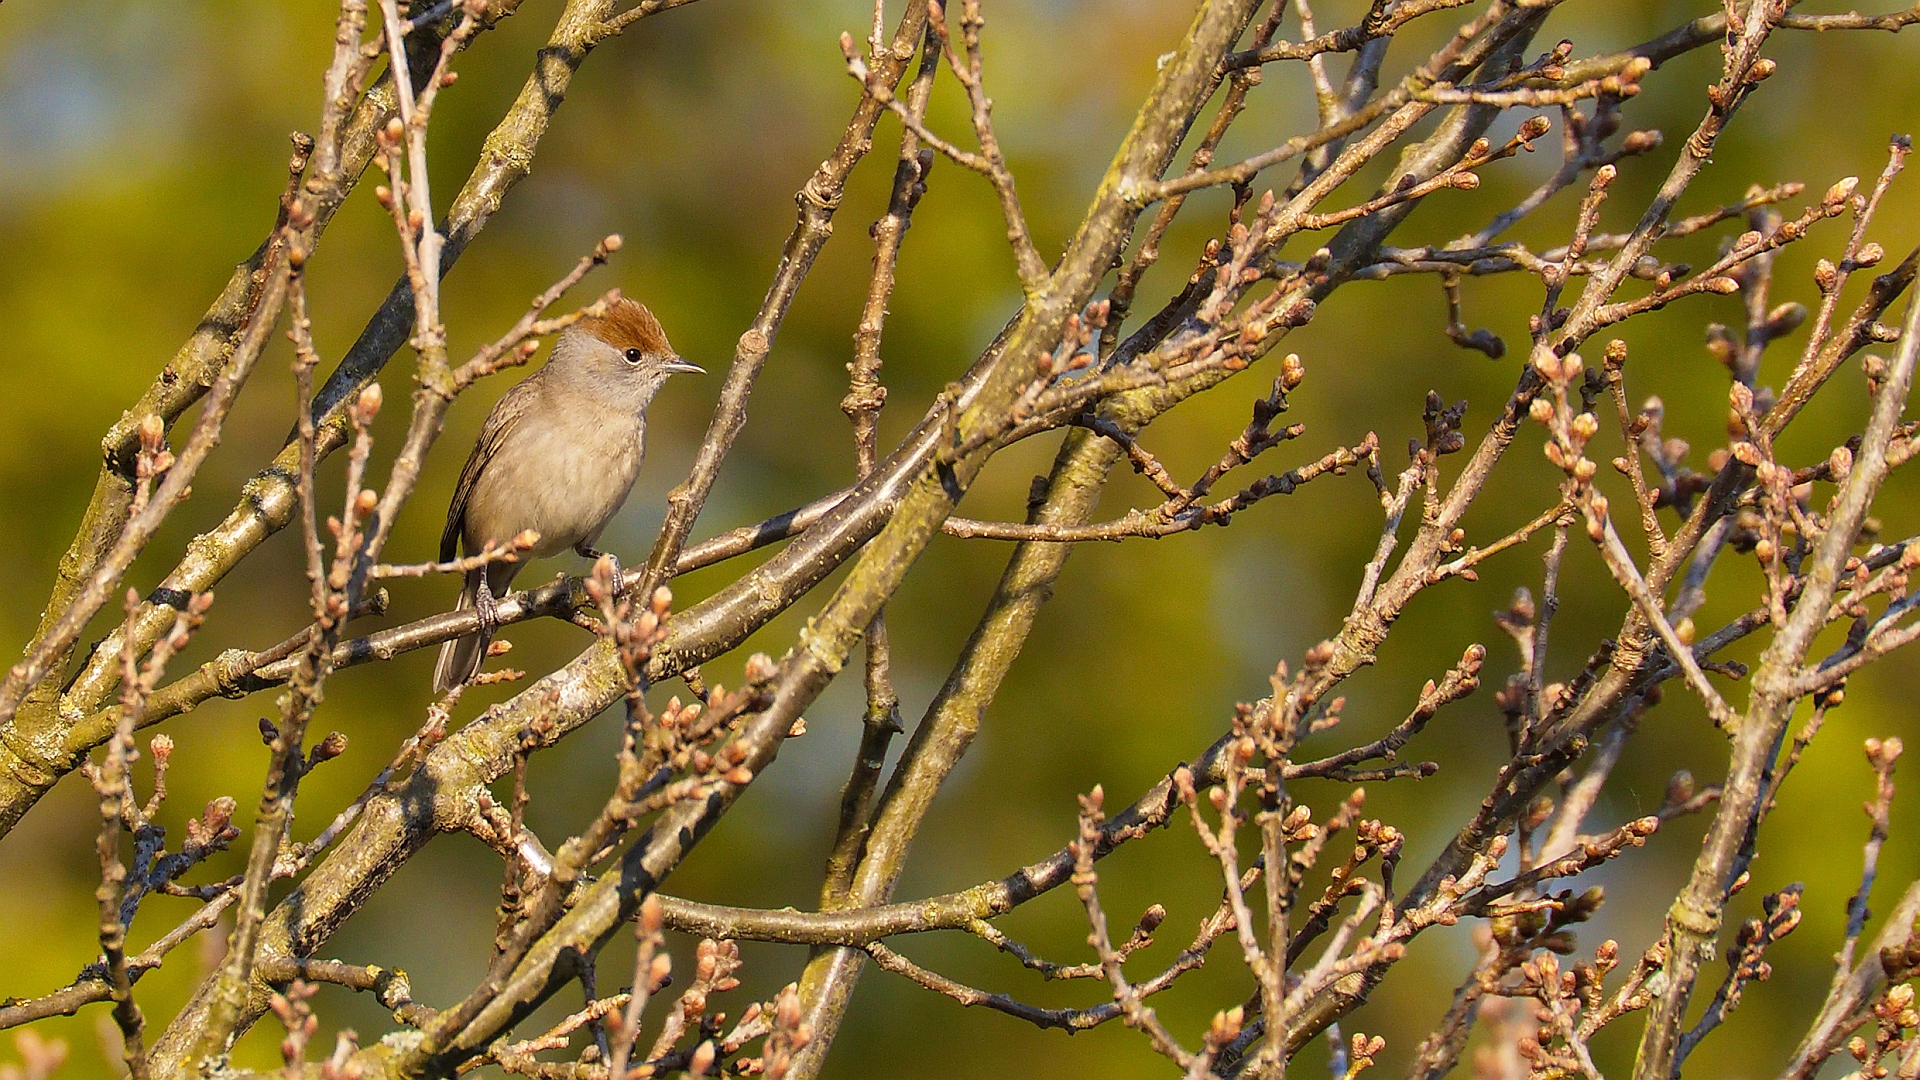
pixel 141 150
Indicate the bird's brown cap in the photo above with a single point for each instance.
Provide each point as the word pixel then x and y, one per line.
pixel 629 325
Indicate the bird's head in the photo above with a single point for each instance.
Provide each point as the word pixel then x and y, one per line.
pixel 622 354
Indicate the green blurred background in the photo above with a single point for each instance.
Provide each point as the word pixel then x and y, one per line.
pixel 142 147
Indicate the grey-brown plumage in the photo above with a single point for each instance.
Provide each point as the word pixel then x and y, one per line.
pixel 557 455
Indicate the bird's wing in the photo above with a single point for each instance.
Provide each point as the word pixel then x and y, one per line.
pixel 493 434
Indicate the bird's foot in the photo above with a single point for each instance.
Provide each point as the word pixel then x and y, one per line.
pixel 619 571
pixel 486 607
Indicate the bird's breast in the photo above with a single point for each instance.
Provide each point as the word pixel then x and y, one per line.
pixel 563 476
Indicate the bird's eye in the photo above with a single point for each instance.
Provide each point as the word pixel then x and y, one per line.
pixel 633 356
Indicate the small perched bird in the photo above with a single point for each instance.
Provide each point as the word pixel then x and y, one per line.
pixel 558 455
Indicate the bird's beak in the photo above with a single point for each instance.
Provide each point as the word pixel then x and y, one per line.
pixel 677 366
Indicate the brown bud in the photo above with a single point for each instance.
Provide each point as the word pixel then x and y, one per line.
pixel 1538 811
pixel 1786 318
pixel 1639 142
pixel 1886 752
pixel 1840 464
pixel 328 748
pixel 760 668
pixel 153 433
pixel 1226 1026
pixel 786 1011
pixel 1151 919
pixel 1680 788
pixel 1719 342
pixel 1292 372
pixel 218 814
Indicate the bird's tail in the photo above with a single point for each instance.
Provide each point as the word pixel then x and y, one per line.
pixel 460 658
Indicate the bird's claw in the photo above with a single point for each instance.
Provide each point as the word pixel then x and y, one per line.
pixel 619 571
pixel 486 607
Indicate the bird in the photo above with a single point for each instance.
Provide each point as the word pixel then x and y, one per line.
pixel 558 455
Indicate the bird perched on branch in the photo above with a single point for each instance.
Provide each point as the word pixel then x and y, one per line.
pixel 557 456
